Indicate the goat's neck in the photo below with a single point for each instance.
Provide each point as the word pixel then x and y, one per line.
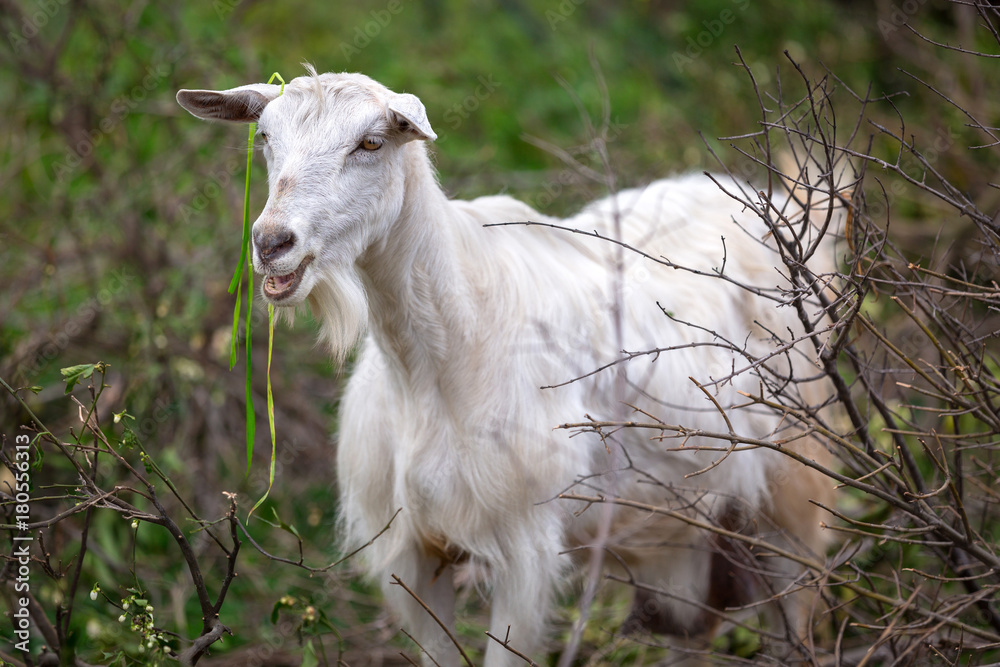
pixel 423 313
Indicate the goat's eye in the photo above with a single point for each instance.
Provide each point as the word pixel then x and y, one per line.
pixel 262 137
pixel 371 144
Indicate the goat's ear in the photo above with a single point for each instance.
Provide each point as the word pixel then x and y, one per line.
pixel 237 105
pixel 407 113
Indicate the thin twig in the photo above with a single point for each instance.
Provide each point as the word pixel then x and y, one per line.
pixel 399 582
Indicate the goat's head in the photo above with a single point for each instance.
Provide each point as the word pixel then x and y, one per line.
pixel 335 160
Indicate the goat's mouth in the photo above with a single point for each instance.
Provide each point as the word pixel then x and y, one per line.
pixel 278 288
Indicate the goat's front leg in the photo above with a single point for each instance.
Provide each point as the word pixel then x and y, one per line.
pixel 435 585
pixel 522 598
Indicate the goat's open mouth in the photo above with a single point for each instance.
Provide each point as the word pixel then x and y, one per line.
pixel 277 288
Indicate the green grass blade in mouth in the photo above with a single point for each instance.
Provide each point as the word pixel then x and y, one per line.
pixel 270 407
pixel 234 283
pixel 251 416
pixel 247 241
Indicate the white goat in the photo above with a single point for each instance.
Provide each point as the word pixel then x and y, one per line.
pixel 444 415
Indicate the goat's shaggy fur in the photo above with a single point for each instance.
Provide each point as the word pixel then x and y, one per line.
pixel 444 415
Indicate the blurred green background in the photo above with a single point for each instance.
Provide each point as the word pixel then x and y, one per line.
pixel 120 214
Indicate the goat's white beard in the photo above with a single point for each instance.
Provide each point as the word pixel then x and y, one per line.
pixel 340 302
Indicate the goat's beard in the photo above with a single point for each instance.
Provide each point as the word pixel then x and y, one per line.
pixel 339 301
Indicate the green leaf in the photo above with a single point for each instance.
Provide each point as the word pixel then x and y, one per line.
pixel 282 603
pixel 129 439
pixel 323 620
pixel 309 658
pixel 288 528
pixel 39 454
pixel 74 374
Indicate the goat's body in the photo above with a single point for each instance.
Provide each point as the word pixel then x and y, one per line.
pixel 444 416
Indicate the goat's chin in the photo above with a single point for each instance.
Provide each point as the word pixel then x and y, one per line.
pixel 339 301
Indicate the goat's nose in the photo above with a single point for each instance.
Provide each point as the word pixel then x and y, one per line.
pixel 273 243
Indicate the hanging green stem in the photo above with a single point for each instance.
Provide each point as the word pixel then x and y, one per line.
pixel 270 407
pixel 236 284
